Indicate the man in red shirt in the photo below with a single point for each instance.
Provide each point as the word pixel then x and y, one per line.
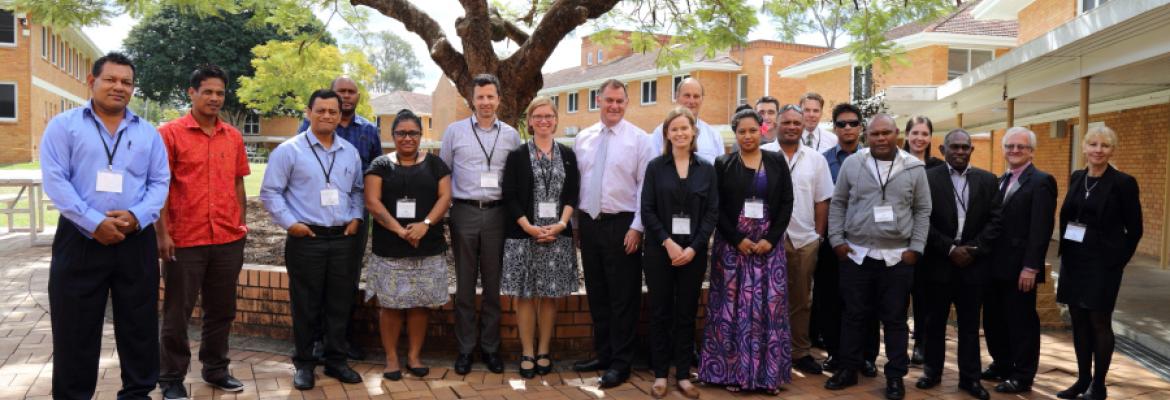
pixel 201 234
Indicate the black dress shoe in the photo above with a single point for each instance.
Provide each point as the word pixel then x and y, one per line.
pixel 1094 393
pixel 463 363
pixel 613 378
pixel 173 390
pixel 393 376
pixel 303 378
pixel 927 382
pixel 807 365
pixel 493 361
pixel 590 365
pixel 830 365
pixel 343 373
pixel 226 383
pixel 870 369
pixel 916 356
pixel 418 372
pixel 895 390
pixel 1073 391
pixel 975 389
pixel 992 373
pixel 842 379
pixel 1013 386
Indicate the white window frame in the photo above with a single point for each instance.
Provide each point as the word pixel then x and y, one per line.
pixel 599 56
pixel 15 31
pixel 593 106
pixel 573 103
pixel 248 122
pixel 15 102
pixel 1096 4
pixel 674 82
pixel 969 66
pixel 741 89
pixel 589 58
pixel 45 42
pixel 556 100
pixel 53 50
pixel 653 92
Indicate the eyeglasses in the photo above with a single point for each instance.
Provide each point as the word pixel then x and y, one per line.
pixel 542 117
pixel 408 134
pixel 959 146
pixel 1014 146
pixel 852 124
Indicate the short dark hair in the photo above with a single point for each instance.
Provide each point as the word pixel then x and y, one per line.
pixel 207 71
pixel 742 112
pixel 958 131
pixel 812 96
pixel 842 108
pixel 112 57
pixel 768 99
pixel 613 83
pixel 323 94
pixel 405 115
pixel 484 80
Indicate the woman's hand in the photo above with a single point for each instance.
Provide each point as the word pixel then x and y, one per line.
pixel 673 250
pixel 687 256
pixel 763 247
pixel 745 246
pixel 416 231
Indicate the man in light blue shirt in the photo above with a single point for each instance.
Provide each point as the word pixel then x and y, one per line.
pixel 106 171
pixel 313 188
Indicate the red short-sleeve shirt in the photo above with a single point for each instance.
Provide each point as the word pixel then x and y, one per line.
pixel 203 208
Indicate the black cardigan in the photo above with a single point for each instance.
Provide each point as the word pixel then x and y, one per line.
pixel 1117 228
pixel 658 189
pixel 733 192
pixel 519 181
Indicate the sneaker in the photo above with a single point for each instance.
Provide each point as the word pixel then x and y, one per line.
pixel 173 390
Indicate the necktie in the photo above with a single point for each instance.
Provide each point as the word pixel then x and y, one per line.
pixel 594 205
pixel 808 139
pixel 1003 186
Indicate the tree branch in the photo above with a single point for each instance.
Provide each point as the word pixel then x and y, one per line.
pixel 474 29
pixel 453 63
pixel 562 17
pixel 505 29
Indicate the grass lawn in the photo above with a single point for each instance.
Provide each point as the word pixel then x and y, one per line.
pixel 251 187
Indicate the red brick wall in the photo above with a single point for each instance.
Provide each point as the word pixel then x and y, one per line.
pixel 1042 16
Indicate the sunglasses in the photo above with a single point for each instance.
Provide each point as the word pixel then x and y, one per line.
pixel 852 124
pixel 408 134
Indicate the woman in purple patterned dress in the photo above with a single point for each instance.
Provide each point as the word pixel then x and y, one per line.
pixel 747 340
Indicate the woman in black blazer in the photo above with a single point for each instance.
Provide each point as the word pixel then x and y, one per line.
pixel 747 341
pixel 679 209
pixel 540 188
pixel 1100 226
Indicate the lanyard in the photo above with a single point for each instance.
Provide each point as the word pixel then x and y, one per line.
pixel 958 192
pixel 110 154
pixel 331 162
pixel 546 172
pixel 488 156
pixel 795 160
pixel 889 172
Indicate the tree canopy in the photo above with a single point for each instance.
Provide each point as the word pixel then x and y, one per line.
pixel 288 72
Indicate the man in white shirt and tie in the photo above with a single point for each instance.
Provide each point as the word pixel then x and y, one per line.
pixel 612 156
pixel 819 139
pixel 709 143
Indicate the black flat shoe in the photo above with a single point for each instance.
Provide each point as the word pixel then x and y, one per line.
pixel 303 378
pixel 870 370
pixel 394 376
pixel 1073 391
pixel 418 372
pixel 927 382
pixel 590 365
pixel 1013 386
pixel 895 390
pixel 613 378
pixel 1094 393
pixel 226 383
pixel 463 364
pixel 842 379
pixel 527 373
pixel 493 361
pixel 807 365
pixel 343 373
pixel 975 389
pixel 992 373
pixel 543 369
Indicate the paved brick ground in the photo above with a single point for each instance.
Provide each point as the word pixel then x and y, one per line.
pixel 26 369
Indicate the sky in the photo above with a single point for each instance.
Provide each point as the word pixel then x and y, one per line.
pixel 109 36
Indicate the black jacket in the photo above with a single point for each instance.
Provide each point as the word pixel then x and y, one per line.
pixel 659 193
pixel 980 229
pixel 1117 228
pixel 1028 216
pixel 734 189
pixel 519 181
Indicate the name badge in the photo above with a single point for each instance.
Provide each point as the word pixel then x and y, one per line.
pixel 883 214
pixel 109 181
pixel 489 180
pixel 404 209
pixel 546 209
pixel 753 208
pixel 1075 232
pixel 330 197
pixel 680 225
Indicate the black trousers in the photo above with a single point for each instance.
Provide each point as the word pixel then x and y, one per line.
pixel 919 295
pixel 613 281
pixel 1011 327
pixel 82 274
pixel 968 299
pixel 872 289
pixel 320 272
pixel 828 306
pixel 674 304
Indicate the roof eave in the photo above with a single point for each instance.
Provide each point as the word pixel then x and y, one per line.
pixel 911 42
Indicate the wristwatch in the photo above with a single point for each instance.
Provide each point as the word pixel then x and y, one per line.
pixel 427 221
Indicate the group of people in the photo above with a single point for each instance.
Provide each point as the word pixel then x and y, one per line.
pixel 818 236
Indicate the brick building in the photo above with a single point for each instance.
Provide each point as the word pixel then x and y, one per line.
pixel 43 74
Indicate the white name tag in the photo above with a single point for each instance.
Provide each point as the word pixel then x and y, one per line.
pixel 680 226
pixel 330 197
pixel 109 181
pixel 546 209
pixel 489 180
pixel 404 209
pixel 883 214
pixel 753 208
pixel 1074 232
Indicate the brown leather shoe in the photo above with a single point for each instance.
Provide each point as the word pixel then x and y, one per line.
pixel 658 391
pixel 691 392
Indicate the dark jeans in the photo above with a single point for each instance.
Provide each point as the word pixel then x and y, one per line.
pixel 209 273
pixel 477 237
pixel 82 275
pixel 674 304
pixel 968 299
pixel 320 272
pixel 613 281
pixel 1011 328
pixel 875 289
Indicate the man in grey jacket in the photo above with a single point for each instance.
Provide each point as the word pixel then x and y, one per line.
pixel 879 218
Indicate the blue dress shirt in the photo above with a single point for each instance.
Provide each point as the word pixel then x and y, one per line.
pixel 362 134
pixel 294 179
pixel 835 156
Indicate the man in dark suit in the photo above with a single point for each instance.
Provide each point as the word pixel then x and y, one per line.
pixel 1010 322
pixel 963 223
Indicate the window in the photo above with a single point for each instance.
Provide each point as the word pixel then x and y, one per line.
pixel 674 84
pixel 53 50
pixel 862 83
pixel 592 99
pixel 556 102
pixel 7 28
pixel 589 59
pixel 7 101
pixel 572 106
pixel 44 42
pixel 741 89
pixel 1089 5
pixel 650 91
pixel 571 131
pixel 599 56
pixel 61 53
pixel 962 61
pixel 252 124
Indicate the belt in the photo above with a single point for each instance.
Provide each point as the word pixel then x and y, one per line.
pixel 327 230
pixel 605 216
pixel 481 204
